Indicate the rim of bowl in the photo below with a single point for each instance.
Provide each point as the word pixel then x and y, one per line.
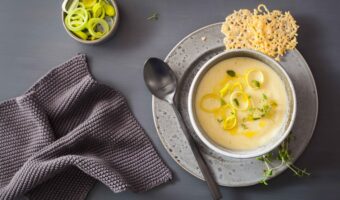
pixel 201 133
pixel 108 35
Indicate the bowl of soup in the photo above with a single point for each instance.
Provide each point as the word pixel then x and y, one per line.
pixel 242 104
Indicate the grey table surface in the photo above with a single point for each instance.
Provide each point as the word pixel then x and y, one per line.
pixel 33 41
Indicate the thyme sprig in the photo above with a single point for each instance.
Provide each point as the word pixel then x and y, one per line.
pixel 154 16
pixel 283 155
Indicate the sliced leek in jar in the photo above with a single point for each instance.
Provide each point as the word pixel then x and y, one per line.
pixel 89 19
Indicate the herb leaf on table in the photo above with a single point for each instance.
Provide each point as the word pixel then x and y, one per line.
pixel 154 16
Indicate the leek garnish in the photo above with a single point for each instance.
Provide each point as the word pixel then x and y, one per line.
pixel 224 112
pixel 224 90
pixel 239 100
pixel 229 123
pixel 230 96
pixel 215 99
pixel 255 79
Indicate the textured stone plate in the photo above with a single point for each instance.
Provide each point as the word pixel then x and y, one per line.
pixel 185 59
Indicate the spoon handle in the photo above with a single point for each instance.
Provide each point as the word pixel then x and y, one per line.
pixel 213 187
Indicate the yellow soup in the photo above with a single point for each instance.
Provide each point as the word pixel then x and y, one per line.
pixel 241 103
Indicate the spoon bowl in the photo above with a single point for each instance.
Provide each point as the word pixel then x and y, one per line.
pixel 160 79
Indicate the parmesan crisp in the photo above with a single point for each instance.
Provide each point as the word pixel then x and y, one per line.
pixel 271 32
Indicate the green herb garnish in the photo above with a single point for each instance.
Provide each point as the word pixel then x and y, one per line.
pixel 244 126
pixel 264 96
pixel 273 103
pixel 286 160
pixel 231 73
pixel 236 102
pixel 266 109
pixel 256 83
pixel 219 120
pixel 154 16
pixel 223 102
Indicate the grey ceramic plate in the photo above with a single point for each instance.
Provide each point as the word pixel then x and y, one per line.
pixel 185 59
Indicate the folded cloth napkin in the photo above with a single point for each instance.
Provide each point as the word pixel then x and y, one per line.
pixel 67 132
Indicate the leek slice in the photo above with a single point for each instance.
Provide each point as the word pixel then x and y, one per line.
pixel 224 112
pixel 224 90
pixel 255 79
pixel 237 85
pixel 77 19
pixel 93 28
pixel 89 3
pixel 98 10
pixel 72 6
pixel 229 123
pixel 81 34
pixel 109 10
pixel 239 100
pixel 81 5
pixel 210 102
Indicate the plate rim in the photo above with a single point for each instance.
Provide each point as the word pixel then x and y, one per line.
pixel 280 170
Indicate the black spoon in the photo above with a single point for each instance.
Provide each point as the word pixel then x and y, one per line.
pixel 162 83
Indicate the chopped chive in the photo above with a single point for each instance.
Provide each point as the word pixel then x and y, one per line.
pixel 223 102
pixel 256 118
pixel 274 103
pixel 264 96
pixel 266 108
pixel 231 73
pixel 236 102
pixel 256 83
pixel 244 126
pixel 219 120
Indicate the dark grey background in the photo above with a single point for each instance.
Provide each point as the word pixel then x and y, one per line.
pixel 33 41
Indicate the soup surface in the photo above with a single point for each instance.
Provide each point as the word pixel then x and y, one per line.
pixel 241 103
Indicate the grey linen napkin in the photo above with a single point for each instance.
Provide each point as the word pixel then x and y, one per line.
pixel 67 132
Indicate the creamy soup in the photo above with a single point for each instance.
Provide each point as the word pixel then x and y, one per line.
pixel 241 103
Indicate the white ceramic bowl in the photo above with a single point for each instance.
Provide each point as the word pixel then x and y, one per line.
pixel 289 120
